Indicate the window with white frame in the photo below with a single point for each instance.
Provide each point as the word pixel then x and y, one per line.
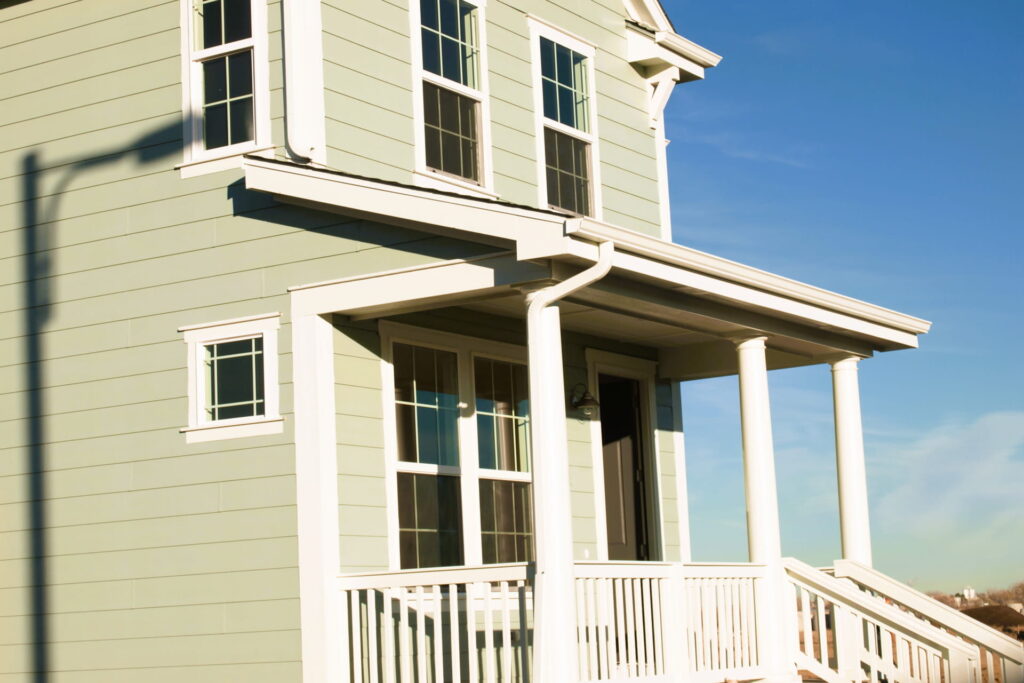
pixel 232 382
pixel 563 80
pixel 225 77
pixel 451 90
pixel 461 452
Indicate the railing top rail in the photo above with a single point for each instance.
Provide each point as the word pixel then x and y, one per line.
pixel 930 609
pixel 840 592
pixel 654 570
pixel 439 576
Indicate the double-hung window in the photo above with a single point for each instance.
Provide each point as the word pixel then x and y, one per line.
pixel 225 77
pixel 563 79
pixel 451 85
pixel 461 453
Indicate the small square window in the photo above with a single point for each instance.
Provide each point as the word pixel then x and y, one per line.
pixel 232 382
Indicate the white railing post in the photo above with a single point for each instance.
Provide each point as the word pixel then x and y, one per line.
pixel 672 609
pixel 855 529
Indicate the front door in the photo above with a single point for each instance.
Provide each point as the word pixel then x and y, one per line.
pixel 625 474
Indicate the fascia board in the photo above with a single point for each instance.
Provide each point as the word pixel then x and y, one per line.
pixel 535 230
pixel 729 271
pixel 687 48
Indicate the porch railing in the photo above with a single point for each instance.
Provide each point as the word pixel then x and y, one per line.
pixel 475 625
pixel 444 625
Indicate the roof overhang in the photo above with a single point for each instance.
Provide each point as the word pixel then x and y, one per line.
pixel 651 279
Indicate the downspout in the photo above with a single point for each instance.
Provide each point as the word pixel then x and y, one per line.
pixel 554 616
pixel 303 81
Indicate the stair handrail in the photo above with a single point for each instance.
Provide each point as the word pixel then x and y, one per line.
pixel 931 610
pixel 841 592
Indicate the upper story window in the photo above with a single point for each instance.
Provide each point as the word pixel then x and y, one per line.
pixel 452 107
pixel 461 452
pixel 232 378
pixel 225 78
pixel 566 121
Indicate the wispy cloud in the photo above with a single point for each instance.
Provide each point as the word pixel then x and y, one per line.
pixel 950 505
pixel 734 146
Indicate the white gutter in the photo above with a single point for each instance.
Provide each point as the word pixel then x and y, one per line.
pixel 699 261
pixel 554 616
pixel 304 80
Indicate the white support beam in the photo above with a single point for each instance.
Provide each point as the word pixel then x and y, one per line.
pixel 316 482
pixel 854 525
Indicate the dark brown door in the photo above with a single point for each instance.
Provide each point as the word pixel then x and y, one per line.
pixel 625 476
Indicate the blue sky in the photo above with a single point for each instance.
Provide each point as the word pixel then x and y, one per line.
pixel 874 149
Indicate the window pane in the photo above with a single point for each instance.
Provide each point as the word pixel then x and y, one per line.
pixel 550 100
pixel 451 61
pixel 521 390
pixel 484 384
pixel 211 24
pixel 431 52
pixel 241 120
pixel 433 142
pixel 234 378
pixel 450 18
pixel 485 441
pixel 567 107
pixel 402 358
pixel 429 520
pixel 215 80
pixel 240 68
pixel 406 425
pixel 428 13
pixel 215 126
pixel 547 58
pixel 563 65
pixel 237 20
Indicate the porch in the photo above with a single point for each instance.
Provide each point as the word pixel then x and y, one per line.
pixel 558 617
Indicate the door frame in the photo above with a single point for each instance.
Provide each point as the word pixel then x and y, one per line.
pixel 645 372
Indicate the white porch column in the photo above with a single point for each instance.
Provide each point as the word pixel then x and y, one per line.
pixel 775 650
pixel 554 605
pixel 853 488
pixel 763 538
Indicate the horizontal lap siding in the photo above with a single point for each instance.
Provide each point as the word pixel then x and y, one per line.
pixel 164 561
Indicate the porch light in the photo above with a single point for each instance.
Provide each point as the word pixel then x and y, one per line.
pixel 581 399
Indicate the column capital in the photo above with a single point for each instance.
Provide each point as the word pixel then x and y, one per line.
pixel 839 361
pixel 748 339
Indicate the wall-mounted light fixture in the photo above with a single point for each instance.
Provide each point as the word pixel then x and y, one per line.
pixel 582 400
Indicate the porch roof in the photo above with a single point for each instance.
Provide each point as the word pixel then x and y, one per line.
pixel 685 302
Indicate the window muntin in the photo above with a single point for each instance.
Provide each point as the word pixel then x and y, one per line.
pixel 228 100
pixel 502 415
pixel 506 521
pixel 486 487
pixel 450 42
pixel 234 379
pixel 567 167
pixel 564 82
pixel 454 109
pixel 429 520
pixel 451 132
pixel 426 405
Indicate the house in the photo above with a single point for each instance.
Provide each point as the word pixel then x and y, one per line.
pixel 342 343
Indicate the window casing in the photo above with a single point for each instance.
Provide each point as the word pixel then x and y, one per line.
pixel 225 79
pixel 232 379
pixel 458 413
pixel 566 121
pixel 451 107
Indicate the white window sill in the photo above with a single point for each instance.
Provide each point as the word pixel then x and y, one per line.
pixel 233 429
pixel 438 181
pixel 231 157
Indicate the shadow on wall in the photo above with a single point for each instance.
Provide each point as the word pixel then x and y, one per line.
pixel 40 215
